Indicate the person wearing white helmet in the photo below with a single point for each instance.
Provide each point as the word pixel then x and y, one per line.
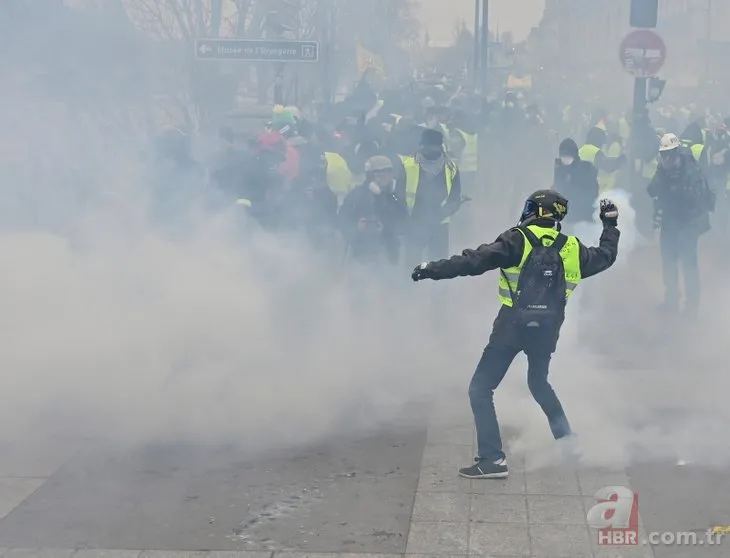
pixel 669 142
pixel 683 201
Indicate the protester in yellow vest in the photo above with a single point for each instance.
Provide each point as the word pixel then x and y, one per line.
pixel 464 146
pixel 592 152
pixel 339 176
pixel 693 138
pixel 433 195
pixel 535 285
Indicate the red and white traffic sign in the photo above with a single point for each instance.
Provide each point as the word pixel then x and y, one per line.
pixel 643 53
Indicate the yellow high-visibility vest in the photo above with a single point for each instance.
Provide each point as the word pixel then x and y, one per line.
pixel 648 169
pixel 624 129
pixel 570 254
pixel 607 180
pixel 697 150
pixel 468 159
pixel 413 176
pixel 588 153
pixel 339 177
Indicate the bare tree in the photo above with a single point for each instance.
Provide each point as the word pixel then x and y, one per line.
pixel 381 26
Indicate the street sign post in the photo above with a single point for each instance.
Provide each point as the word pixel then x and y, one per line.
pixel 256 51
pixel 643 53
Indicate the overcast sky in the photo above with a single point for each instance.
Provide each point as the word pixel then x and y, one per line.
pixel 510 15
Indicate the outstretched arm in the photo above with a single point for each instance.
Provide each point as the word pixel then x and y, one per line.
pixel 504 252
pixel 594 260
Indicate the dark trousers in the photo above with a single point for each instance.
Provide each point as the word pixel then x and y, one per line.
pixel 679 251
pixel 489 373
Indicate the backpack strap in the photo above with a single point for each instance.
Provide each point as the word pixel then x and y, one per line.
pixel 558 243
pixel 531 237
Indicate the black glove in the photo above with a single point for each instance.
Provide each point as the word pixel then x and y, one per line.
pixel 421 272
pixel 609 213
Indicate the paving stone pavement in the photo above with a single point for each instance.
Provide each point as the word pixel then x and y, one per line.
pixel 535 513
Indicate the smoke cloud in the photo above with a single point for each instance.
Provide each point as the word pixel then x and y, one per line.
pixel 116 327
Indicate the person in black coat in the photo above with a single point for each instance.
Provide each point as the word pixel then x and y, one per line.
pixel 578 181
pixel 683 201
pixel 372 216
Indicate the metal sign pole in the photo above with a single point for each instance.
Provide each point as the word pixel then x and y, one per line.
pixel 483 85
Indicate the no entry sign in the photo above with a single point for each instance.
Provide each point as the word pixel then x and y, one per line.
pixel 643 53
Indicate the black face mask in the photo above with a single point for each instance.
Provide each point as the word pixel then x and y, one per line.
pixel 431 154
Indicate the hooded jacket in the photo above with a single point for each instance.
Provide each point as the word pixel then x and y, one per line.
pixel 578 182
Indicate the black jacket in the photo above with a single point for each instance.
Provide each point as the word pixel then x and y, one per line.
pixel 429 208
pixel 578 182
pixel 505 252
pixel 682 196
pixel 387 216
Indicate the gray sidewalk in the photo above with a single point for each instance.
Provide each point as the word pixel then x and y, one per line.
pixel 540 513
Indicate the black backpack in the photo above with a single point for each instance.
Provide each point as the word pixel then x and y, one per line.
pixel 540 298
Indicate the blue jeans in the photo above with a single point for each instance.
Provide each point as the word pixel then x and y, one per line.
pixel 489 373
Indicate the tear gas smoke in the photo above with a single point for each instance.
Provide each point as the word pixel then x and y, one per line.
pixel 114 328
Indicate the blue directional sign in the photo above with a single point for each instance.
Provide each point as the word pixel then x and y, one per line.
pixel 256 51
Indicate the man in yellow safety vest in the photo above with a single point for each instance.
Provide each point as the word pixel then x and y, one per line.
pixel 593 153
pixel 539 269
pixel 433 195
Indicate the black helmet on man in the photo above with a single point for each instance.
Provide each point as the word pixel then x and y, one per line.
pixel 544 204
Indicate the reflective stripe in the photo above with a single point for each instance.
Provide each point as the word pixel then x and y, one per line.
pixel 413 176
pixel 607 180
pixel 570 254
pixel 697 150
pixel 468 162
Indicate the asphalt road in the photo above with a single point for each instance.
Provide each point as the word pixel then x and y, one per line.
pixel 351 495
pixel 688 498
pixel 348 496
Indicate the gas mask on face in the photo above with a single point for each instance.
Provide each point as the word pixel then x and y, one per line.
pixel 381 181
pixel 567 160
pixel 375 188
